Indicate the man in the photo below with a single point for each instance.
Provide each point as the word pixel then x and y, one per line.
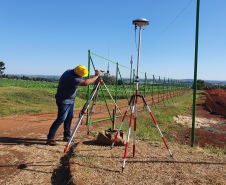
pixel 65 98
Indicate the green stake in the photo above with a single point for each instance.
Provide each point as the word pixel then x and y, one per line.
pixel 195 74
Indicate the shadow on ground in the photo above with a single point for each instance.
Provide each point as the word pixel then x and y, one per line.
pixel 61 175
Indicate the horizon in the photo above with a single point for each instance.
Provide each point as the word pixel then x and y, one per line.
pixel 123 77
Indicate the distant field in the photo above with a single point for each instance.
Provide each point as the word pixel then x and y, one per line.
pixel 28 84
pixel 82 90
pixel 54 85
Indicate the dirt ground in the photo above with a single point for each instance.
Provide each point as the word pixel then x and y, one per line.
pixel 24 156
pixel 212 107
pixel 96 164
pixel 152 164
pixel 26 159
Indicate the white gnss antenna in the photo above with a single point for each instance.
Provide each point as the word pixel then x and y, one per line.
pixel 139 22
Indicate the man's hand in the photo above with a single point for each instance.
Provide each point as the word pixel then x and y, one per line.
pixel 91 80
pixel 97 72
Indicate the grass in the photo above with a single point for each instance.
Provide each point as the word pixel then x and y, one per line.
pixel 215 150
pixel 18 97
pixel 20 101
pixel 82 90
pixel 146 129
pixel 163 115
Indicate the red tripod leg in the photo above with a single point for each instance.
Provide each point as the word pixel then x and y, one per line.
pixel 135 126
pixel 127 142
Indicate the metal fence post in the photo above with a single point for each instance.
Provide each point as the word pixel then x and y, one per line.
pixel 133 80
pixel 116 90
pixel 164 89
pixel 88 94
pixel 158 89
pixel 168 91
pixel 113 123
pixel 195 74
pixel 145 83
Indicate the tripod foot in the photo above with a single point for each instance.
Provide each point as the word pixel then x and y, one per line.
pixel 112 145
pixel 171 156
pixel 122 169
pixel 66 148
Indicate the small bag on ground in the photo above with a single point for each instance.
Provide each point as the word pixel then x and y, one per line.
pixel 106 137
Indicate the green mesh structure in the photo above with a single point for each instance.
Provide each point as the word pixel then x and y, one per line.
pixel 165 89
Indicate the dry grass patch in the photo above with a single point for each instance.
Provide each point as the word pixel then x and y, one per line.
pixel 152 164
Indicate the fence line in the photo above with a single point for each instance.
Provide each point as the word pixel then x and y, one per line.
pixel 165 90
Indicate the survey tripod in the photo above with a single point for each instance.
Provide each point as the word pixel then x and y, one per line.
pixel 138 22
pixel 133 100
pixel 93 97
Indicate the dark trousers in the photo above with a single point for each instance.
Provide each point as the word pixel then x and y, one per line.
pixel 65 115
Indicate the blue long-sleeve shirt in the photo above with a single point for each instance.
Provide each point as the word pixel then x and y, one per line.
pixel 67 88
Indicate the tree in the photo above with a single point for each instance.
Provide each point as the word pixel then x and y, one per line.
pixel 2 64
pixel 200 85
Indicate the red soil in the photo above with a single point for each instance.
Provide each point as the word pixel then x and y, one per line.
pixel 216 101
pixel 211 106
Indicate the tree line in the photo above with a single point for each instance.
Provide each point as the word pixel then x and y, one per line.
pixel 28 78
pixel 201 85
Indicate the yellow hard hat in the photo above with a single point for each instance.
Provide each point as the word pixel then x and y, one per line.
pixel 81 71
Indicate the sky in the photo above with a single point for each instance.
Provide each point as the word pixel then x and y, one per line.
pixel 47 37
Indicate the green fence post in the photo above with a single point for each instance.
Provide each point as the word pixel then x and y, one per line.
pixel 168 91
pixel 158 89
pixel 162 94
pixel 174 88
pixel 145 83
pixel 153 100
pixel 116 90
pixel 178 88
pixel 152 92
pixel 88 91
pixel 195 74
pixel 133 80
pixel 175 82
pixel 171 89
pixel 180 83
pixel 164 89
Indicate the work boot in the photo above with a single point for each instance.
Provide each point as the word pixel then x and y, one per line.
pixel 51 142
pixel 66 138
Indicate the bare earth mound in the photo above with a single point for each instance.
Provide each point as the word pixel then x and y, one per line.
pixel 216 101
pixel 210 126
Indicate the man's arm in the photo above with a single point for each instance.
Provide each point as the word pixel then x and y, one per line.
pixel 90 80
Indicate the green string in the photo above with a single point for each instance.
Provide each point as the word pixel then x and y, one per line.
pixel 125 66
